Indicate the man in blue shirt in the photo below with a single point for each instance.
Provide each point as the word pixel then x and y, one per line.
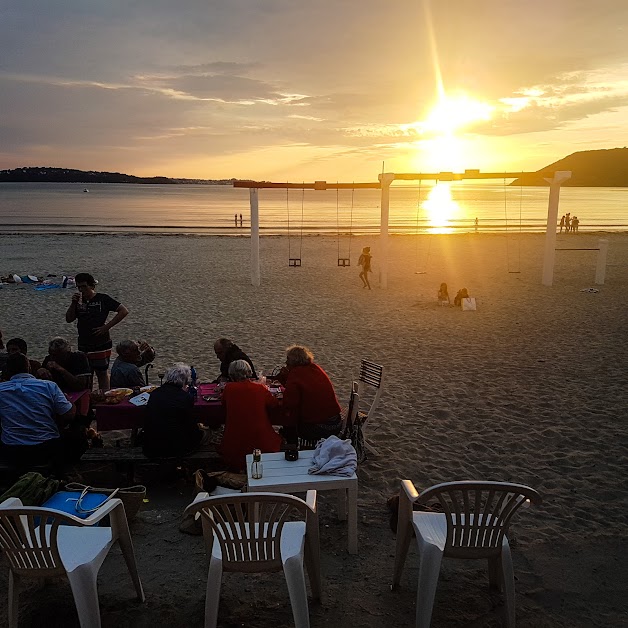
pixel 33 414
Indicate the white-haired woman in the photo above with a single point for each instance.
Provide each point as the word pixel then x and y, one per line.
pixel 247 426
pixel 170 428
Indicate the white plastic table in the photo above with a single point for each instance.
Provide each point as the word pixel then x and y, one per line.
pixel 282 476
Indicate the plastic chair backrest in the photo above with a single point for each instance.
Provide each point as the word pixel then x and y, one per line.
pixel 478 514
pixel 372 375
pixel 249 526
pixel 28 537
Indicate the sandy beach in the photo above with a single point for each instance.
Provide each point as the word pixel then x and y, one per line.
pixel 532 387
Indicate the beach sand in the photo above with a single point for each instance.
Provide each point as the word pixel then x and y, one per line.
pixel 532 387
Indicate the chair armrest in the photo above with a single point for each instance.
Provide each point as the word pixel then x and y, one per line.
pixel 310 500
pixel 192 508
pixel 410 491
pixel 12 502
pixel 101 513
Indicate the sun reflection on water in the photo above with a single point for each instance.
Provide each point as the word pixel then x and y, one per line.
pixel 441 208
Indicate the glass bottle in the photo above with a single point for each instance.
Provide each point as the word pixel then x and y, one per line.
pixel 256 466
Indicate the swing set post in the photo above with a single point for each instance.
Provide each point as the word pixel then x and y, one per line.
pixel 385 179
pixel 549 257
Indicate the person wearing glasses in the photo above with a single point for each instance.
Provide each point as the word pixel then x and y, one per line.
pixel 90 309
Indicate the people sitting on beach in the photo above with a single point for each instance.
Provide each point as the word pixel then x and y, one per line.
pixel 18 345
pixel 125 372
pixel 443 295
pixel 462 294
pixel 170 428
pixel 309 400
pixel 91 310
pixel 33 415
pixel 247 426
pixel 68 369
pixel 227 352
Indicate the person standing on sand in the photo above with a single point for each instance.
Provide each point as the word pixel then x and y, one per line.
pixel 567 222
pixel 240 219
pixel 235 218
pixel 562 223
pixel 365 262
pixel 91 310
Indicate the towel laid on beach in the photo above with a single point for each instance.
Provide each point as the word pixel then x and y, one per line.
pixel 334 456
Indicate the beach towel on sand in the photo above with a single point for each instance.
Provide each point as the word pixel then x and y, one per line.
pixel 334 456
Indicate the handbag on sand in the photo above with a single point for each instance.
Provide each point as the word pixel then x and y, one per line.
pixel 468 304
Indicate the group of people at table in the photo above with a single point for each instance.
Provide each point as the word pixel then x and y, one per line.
pixel 39 424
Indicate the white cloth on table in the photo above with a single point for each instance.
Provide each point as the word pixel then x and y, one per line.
pixel 334 456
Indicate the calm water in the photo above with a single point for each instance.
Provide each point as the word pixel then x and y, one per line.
pixel 445 207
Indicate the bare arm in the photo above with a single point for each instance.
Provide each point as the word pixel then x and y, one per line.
pixel 121 313
pixel 73 382
pixel 70 315
pixel 63 419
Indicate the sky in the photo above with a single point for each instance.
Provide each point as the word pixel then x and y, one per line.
pixel 299 90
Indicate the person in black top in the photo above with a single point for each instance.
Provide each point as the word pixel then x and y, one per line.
pixel 91 310
pixel 170 428
pixel 228 352
pixel 68 369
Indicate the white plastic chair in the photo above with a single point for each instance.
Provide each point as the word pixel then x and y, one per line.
pixel 38 545
pixel 255 535
pixel 473 524
pixel 372 376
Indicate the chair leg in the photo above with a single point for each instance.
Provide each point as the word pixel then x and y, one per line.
pixel 14 594
pixel 212 594
pixel 494 574
pixel 121 527
pixel 295 577
pixel 508 584
pixel 83 585
pixel 313 564
pixel 429 567
pixel 404 536
pixel 371 448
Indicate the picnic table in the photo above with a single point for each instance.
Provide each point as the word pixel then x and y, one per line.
pixel 80 400
pixel 127 416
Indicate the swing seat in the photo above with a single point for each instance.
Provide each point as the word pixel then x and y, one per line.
pixel 294 261
pixel 344 261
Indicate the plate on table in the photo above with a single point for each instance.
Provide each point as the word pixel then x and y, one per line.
pixel 148 389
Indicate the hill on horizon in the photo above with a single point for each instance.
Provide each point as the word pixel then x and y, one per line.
pixel 589 168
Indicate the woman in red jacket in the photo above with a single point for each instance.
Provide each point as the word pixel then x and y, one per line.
pixel 247 426
pixel 309 399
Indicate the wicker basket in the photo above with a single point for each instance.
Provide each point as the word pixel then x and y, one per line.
pixel 132 496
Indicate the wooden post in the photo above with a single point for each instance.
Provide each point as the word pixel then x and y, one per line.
pixel 255 272
pixel 385 179
pixel 600 269
pixel 550 231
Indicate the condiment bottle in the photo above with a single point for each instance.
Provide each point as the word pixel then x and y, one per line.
pixel 257 469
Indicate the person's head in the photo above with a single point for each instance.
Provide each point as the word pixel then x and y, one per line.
pixel 129 351
pixel 17 363
pixel 17 345
pixel 59 348
pixel 443 288
pixel 178 374
pixel 298 356
pixel 221 346
pixel 239 370
pixel 85 284
pixel 366 250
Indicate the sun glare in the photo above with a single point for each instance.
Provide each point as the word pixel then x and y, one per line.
pixel 441 208
pixel 453 113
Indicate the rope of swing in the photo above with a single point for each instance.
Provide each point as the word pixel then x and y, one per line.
pixel 351 220
pixel 302 204
pixel 288 210
pixel 338 220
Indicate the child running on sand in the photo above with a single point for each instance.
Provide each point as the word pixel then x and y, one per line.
pixel 365 262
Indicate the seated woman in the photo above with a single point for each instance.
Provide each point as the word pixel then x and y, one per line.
pixel 311 406
pixel 170 429
pixel 247 426
pixel 443 295
pixel 463 293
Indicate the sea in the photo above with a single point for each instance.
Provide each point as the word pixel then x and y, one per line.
pixel 443 207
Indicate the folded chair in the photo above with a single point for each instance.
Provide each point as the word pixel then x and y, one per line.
pixel 43 543
pixel 473 525
pixel 255 532
pixel 371 376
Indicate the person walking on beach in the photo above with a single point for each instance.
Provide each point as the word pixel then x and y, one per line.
pixel 574 224
pixel 91 310
pixel 562 223
pixel 567 222
pixel 235 218
pixel 365 262
pixel 240 219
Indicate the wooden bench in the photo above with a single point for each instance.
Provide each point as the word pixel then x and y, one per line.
pixel 130 456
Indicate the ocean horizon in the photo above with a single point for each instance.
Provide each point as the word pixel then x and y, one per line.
pixel 212 209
